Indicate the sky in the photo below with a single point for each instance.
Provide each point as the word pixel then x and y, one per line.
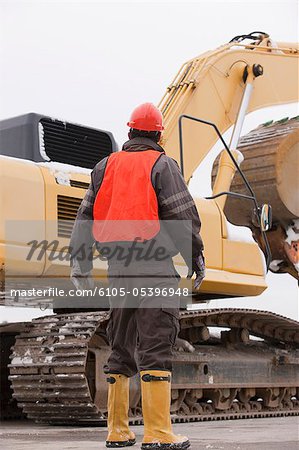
pixel 92 62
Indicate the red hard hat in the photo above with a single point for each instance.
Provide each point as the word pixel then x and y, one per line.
pixel 146 117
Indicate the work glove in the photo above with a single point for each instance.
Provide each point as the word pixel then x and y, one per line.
pixel 199 268
pixel 80 280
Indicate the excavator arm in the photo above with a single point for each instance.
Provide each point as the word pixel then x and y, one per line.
pixel 221 87
pixel 211 87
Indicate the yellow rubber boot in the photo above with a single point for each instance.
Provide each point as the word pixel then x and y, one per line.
pixel 156 397
pixel 119 434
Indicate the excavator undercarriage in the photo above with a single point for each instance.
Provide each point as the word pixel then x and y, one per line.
pixel 242 364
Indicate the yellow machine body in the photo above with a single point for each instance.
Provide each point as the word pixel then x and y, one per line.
pixel 30 204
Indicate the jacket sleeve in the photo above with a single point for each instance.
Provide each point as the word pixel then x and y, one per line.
pixel 82 240
pixel 176 203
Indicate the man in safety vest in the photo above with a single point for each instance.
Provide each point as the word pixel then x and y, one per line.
pixel 130 195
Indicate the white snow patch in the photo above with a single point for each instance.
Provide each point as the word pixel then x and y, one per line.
pixel 63 179
pixel 21 360
pixel 274 265
pixel 48 359
pixel 41 142
pixel 57 168
pixel 241 234
pixel 292 233
pixel 64 329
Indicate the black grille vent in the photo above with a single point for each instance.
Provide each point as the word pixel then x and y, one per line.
pixel 67 208
pixel 79 184
pixel 67 143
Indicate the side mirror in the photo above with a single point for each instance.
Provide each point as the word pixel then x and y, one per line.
pixel 266 217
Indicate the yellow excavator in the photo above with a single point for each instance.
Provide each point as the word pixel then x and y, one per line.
pixel 231 363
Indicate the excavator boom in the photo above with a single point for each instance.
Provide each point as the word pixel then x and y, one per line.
pixel 211 87
pixel 221 87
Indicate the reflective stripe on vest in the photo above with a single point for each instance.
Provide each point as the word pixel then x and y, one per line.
pixel 126 206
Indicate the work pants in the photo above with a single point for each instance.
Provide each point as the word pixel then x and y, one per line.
pixel 143 324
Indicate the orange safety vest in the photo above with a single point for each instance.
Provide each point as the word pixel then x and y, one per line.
pixel 126 205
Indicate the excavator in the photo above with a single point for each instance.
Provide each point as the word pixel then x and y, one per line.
pixel 230 362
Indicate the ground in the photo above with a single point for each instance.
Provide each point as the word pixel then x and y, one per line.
pixel 280 433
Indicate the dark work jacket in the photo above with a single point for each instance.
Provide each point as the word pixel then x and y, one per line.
pixel 180 222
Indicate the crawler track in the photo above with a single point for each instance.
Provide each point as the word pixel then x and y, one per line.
pixel 56 368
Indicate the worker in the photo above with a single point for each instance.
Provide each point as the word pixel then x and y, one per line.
pixel 135 199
